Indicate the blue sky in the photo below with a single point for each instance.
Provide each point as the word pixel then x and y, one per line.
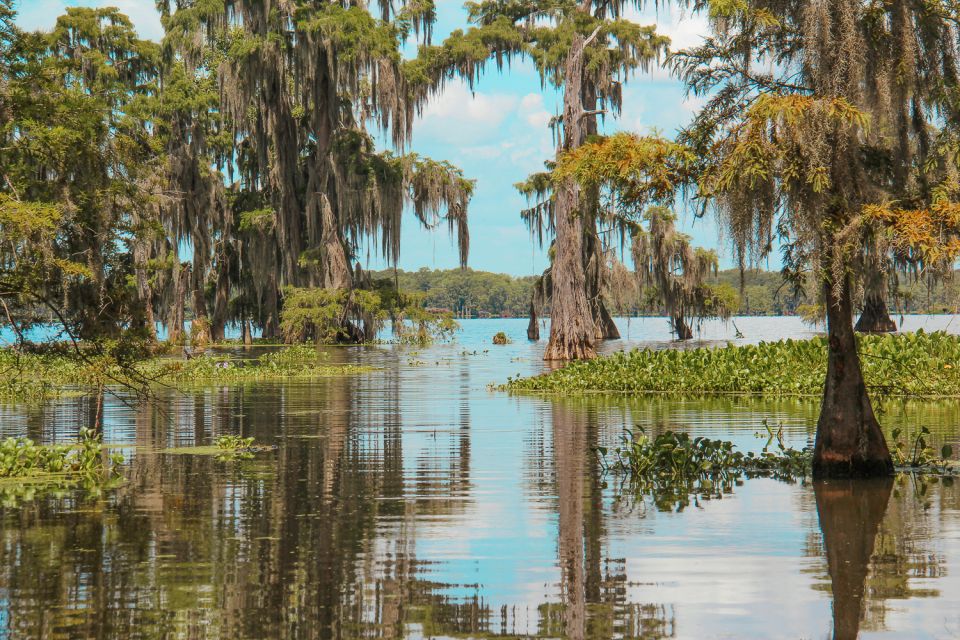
pixel 498 134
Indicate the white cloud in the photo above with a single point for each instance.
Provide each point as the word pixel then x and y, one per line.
pixel 460 115
pixel 533 111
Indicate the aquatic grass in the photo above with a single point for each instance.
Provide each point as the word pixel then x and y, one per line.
pixel 922 365
pixel 35 376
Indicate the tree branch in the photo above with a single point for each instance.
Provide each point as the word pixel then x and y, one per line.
pixel 586 43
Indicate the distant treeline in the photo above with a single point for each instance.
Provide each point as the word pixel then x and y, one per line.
pixel 471 294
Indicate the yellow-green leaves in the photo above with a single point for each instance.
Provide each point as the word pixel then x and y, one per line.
pixel 641 169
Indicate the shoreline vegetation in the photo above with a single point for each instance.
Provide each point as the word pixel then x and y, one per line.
pixel 42 375
pixel 470 293
pixel 913 365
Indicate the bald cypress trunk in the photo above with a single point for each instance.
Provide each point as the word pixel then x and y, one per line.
pixel 875 317
pixel 181 284
pixel 849 440
pixel 221 300
pixel 271 310
pixel 681 328
pixel 606 328
pixel 533 328
pixel 200 327
pixel 571 322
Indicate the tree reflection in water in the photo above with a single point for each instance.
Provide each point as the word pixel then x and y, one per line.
pixel 359 523
pixel 850 512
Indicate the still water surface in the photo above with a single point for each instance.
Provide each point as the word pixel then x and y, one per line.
pixel 415 502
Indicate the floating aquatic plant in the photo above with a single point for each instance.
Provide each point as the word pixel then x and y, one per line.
pixel 28 469
pixel 910 365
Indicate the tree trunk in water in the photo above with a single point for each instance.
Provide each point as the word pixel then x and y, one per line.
pixel 850 513
pixel 681 328
pixel 533 327
pixel 200 327
pixel 571 323
pixel 271 311
pixel 849 442
pixel 221 300
pixel 247 333
pixel 875 317
pixel 606 328
pixel 182 278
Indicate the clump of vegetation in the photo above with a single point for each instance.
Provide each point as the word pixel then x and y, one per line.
pixel 28 468
pixel 237 448
pixel 224 448
pixel 354 316
pixel 913 452
pixel 911 365
pixel 671 467
pixel 21 457
pixel 501 338
pixel 34 376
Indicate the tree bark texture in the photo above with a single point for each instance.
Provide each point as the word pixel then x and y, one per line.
pixel 571 323
pixel 681 328
pixel 533 327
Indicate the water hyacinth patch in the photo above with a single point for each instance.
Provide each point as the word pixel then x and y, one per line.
pixel 28 469
pixel 918 364
pixel 671 468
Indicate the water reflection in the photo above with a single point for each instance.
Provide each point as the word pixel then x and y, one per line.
pixel 850 513
pixel 593 584
pixel 413 502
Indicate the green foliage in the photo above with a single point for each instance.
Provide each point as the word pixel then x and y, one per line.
pixel 501 338
pixel 235 448
pixel 910 365
pixel 21 457
pixel 670 467
pixel 465 292
pixel 28 469
pixel 322 315
pixel 35 376
pixel 357 315
pixel 914 452
pixel 634 170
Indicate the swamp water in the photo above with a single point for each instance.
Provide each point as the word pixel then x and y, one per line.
pixel 415 502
